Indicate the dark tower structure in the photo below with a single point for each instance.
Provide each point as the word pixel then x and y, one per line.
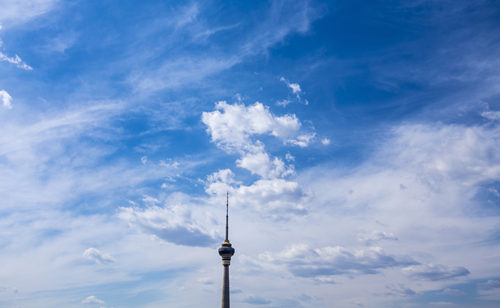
pixel 226 252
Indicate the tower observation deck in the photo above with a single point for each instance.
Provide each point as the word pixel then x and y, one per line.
pixel 226 251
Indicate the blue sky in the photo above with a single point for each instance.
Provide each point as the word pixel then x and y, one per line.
pixel 358 141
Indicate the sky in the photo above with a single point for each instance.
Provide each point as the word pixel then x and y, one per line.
pixel 359 142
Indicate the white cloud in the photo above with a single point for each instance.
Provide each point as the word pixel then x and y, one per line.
pixel 224 175
pixel 15 60
pixel 492 115
pixel 180 223
pixel 6 99
pixel 295 87
pixel 276 197
pixel 15 12
pixel 400 290
pixel 61 42
pixel 451 151
pixel 272 28
pixel 150 200
pixel 325 141
pixel 92 300
pixel 283 102
pixel 232 126
pixel 187 15
pixel 97 256
pixel 302 140
pixel 220 182
pixel 260 163
pixel 436 272
pixel 376 236
pixel 304 261
pixel 178 72
pixel 425 178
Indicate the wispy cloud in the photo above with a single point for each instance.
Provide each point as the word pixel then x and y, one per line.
pixel 376 236
pixel 180 224
pixel 183 72
pixel 304 261
pixel 92 300
pixel 180 72
pixel 15 60
pixel 295 87
pixel 436 272
pixel 400 290
pixel 15 12
pixel 256 300
pixel 98 256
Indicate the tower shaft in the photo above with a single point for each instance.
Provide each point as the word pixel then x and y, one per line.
pixel 225 287
pixel 226 251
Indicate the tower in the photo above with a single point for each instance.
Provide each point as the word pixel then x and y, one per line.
pixel 226 252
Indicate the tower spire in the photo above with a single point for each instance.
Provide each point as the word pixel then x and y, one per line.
pixel 227 216
pixel 226 251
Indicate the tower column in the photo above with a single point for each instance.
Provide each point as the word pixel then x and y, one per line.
pixel 225 287
pixel 226 251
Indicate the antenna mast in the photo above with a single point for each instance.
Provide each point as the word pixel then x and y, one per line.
pixel 227 215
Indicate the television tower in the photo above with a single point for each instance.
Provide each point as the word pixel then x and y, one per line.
pixel 226 252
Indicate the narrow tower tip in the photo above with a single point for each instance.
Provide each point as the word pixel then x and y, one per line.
pixel 227 216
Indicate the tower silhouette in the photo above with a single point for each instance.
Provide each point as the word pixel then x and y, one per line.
pixel 226 251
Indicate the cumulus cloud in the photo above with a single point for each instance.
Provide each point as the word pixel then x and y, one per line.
pixel 92 300
pixel 98 256
pixel 231 126
pixel 303 261
pixel 176 224
pixel 220 181
pixel 234 128
pixel 260 163
pixel 435 272
pixel 6 99
pixel 277 197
